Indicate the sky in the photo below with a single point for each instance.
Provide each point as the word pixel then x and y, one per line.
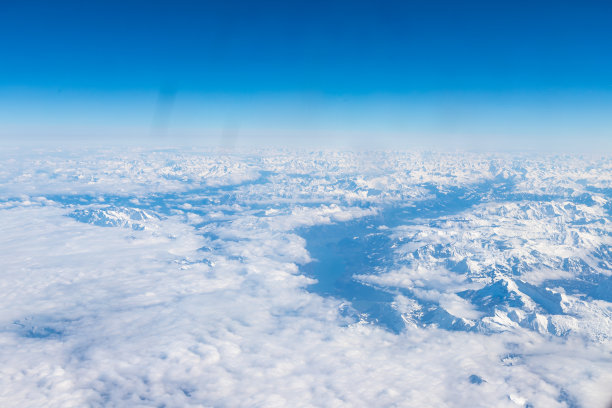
pixel 474 74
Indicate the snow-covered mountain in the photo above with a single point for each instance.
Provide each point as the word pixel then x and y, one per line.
pixel 134 218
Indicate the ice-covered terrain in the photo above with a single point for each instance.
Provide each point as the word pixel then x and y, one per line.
pixel 286 278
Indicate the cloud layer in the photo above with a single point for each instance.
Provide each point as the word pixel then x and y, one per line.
pixel 157 278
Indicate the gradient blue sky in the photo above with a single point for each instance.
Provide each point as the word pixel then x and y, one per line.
pixel 475 74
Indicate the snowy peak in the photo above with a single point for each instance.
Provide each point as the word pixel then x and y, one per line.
pixel 133 218
pixel 502 293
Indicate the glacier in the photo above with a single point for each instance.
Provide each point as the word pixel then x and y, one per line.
pixel 291 277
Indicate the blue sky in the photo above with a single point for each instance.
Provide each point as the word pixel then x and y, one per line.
pixel 427 73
